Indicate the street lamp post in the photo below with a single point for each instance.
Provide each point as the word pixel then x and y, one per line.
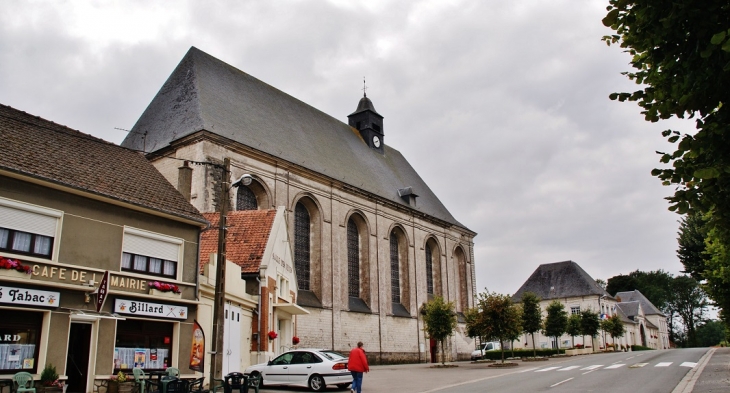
pixel 216 361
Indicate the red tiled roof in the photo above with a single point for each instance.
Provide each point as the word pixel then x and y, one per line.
pixel 247 235
pixel 41 149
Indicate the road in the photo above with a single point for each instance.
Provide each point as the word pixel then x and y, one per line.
pixel 641 372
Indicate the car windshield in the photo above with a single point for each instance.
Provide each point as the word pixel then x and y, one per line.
pixel 333 355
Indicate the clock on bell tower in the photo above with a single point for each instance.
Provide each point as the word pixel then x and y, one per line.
pixel 369 123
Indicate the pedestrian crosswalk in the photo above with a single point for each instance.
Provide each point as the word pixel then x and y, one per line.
pixel 614 366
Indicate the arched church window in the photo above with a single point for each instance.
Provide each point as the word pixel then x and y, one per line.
pixel 353 259
pixel 429 270
pixel 246 199
pixel 302 245
pixel 394 269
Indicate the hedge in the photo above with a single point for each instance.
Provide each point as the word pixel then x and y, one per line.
pixel 521 353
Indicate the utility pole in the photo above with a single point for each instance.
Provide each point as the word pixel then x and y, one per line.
pixel 216 361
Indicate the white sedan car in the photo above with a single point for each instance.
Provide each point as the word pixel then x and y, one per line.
pixel 313 368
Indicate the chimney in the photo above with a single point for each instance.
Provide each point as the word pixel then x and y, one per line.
pixel 185 180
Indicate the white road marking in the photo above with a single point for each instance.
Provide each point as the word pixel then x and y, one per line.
pixel 569 368
pixel 663 364
pixel 637 365
pixel 554 385
pixel 593 367
pixel 529 369
pixel 546 369
pixel 688 364
pixel 614 366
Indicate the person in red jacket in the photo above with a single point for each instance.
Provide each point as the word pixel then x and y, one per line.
pixel 357 364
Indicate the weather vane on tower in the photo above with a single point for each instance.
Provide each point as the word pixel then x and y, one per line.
pixel 364 88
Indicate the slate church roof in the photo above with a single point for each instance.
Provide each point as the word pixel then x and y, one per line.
pixel 204 93
pixel 33 147
pixel 560 280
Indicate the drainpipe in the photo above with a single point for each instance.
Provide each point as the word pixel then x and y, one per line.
pixel 258 343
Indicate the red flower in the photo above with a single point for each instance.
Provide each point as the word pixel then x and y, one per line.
pixel 272 335
pixel 14 264
pixel 295 340
pixel 164 287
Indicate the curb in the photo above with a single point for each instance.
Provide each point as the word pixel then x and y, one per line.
pixel 688 382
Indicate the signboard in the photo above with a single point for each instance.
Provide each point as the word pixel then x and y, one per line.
pixel 198 351
pixel 102 291
pixel 29 297
pixel 137 307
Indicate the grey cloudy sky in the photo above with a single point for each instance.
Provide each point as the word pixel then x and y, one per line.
pixel 501 106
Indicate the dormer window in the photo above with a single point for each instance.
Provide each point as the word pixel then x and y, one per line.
pixel 408 195
pixel 357 125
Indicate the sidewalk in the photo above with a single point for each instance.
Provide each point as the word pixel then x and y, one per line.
pixel 715 378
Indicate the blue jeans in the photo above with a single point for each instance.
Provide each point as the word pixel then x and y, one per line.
pixel 356 381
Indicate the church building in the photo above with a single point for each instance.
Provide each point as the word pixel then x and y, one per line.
pixel 370 240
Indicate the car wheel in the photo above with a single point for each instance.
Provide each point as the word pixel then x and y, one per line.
pixel 316 383
pixel 259 379
pixel 342 386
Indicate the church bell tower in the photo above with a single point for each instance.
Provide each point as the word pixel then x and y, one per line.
pixel 369 122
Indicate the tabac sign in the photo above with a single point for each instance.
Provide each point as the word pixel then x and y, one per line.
pixel 136 307
pixel 29 297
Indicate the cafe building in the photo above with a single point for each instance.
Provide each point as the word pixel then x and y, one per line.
pixel 98 257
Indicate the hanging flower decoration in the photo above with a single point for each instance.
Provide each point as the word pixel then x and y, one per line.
pixel 295 340
pixel 164 287
pixel 272 335
pixel 14 264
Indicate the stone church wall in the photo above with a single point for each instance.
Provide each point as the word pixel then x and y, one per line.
pixel 331 205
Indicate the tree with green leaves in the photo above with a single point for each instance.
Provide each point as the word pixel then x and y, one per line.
pixel 614 327
pixel 711 333
pixel 531 316
pixel 556 321
pixel 681 58
pixel 692 250
pixel 717 273
pixel 590 324
pixel 573 328
pixel 690 303
pixel 496 317
pixel 439 321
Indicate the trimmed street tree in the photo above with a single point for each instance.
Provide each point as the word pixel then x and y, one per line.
pixel 590 323
pixel 496 317
pixel 690 302
pixel 531 317
pixel 573 328
pixel 439 321
pixel 556 321
pixel 614 327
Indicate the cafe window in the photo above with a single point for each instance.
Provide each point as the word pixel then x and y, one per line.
pixel 20 335
pixel 144 344
pixel 27 229
pixel 151 253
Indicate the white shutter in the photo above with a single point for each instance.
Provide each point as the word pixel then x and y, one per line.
pixel 150 247
pixel 28 221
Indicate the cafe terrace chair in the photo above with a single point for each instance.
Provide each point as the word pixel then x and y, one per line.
pixel 24 381
pixel 196 386
pixel 140 379
pixel 253 382
pixel 176 386
pixel 173 372
pixel 235 381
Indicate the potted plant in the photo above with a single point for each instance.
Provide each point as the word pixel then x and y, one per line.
pixel 13 268
pixel 49 379
pixel 120 383
pixel 295 340
pixel 272 335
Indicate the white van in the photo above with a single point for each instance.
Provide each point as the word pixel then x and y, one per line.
pixel 487 346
